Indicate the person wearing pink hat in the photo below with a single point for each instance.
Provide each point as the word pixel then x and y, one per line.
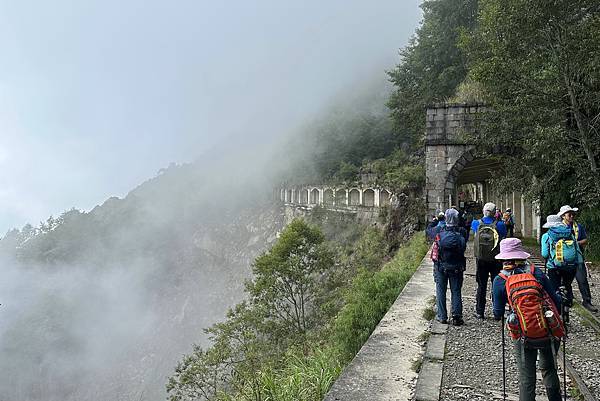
pixel 514 261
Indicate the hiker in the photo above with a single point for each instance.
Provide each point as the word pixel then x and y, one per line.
pixel 450 266
pixel 567 213
pixel 429 234
pixel 562 254
pixel 535 338
pixel 488 234
pixel 509 221
pixel 441 221
pixel 498 215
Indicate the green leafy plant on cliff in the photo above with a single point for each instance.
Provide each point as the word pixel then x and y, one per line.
pixel 266 349
pixel 371 295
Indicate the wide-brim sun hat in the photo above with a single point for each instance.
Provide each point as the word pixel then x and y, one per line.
pixel 553 220
pixel 512 249
pixel 565 209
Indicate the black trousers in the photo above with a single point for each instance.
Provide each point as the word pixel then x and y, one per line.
pixel 510 231
pixel 582 283
pixel 563 277
pixel 486 271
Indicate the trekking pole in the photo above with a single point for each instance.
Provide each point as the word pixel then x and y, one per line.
pixel 562 290
pixel 503 362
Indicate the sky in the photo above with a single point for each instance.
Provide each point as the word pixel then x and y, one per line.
pixel 97 96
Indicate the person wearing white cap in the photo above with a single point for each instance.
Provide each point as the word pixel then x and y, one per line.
pixel 488 233
pixel 567 213
pixel 561 254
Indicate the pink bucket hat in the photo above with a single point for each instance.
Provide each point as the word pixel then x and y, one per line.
pixel 511 248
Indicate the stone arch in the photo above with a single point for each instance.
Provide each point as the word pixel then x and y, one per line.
pixel 328 197
pixel 289 198
pixel 340 197
pixel 368 197
pixel 354 197
pixel 384 197
pixel 304 196
pixel 314 196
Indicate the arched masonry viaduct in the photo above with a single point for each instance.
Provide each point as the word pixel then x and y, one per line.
pixel 336 197
pixel 456 172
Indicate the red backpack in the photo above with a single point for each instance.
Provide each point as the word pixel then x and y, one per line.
pixel 532 305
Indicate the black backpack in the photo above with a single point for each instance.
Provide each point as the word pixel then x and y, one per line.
pixel 486 242
pixel 451 249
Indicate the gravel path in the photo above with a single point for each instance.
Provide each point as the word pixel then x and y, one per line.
pixel 473 363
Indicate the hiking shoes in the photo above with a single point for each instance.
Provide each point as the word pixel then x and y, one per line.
pixel 478 316
pixel 590 307
pixel 457 321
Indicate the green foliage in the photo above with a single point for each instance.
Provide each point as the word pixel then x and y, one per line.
pixel 286 281
pixel 347 172
pixel 333 148
pixel 432 65
pixel 371 295
pixel 280 312
pixel 537 61
pixel 298 376
pixel 266 349
pixel 399 172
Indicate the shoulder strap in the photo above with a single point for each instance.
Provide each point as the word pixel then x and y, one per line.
pixel 504 276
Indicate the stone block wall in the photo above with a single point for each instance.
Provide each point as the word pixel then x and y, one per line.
pixel 444 148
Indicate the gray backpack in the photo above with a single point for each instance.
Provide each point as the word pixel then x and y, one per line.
pixel 486 242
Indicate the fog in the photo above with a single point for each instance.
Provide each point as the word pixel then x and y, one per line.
pixel 98 97
pixel 108 92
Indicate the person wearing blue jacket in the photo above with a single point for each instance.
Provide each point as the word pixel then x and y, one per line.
pixel 486 269
pixel 558 275
pixel 514 259
pixel 567 213
pixel 449 269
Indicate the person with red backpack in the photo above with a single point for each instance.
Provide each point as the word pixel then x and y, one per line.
pixel 488 234
pixel 534 321
pixel 448 254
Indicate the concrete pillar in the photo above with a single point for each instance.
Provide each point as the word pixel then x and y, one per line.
pixel 528 219
pixel 518 215
pixel 360 196
pixel 376 201
pixel 347 198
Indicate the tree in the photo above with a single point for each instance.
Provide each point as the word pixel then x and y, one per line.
pixel 431 66
pixel 257 333
pixel 539 62
pixel 287 278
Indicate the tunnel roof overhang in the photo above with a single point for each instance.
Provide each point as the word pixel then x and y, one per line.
pixel 479 170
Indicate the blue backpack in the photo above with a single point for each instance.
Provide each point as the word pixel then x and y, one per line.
pixel 564 252
pixel 451 250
